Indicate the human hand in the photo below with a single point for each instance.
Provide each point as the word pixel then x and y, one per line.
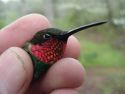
pixel 16 69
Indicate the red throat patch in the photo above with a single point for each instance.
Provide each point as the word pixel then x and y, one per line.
pixel 49 51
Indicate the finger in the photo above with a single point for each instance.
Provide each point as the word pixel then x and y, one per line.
pixel 15 71
pixel 64 91
pixel 23 29
pixel 72 48
pixel 17 33
pixel 66 73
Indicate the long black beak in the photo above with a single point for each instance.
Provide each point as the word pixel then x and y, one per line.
pixel 67 34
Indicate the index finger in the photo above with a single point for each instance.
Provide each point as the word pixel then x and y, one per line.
pixel 23 29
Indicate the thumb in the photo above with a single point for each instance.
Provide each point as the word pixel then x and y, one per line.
pixel 15 71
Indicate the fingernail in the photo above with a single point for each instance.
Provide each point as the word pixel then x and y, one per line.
pixel 13 72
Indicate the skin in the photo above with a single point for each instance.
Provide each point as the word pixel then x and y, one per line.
pixel 16 69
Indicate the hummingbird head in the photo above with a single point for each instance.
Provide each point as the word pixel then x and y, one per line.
pixel 49 44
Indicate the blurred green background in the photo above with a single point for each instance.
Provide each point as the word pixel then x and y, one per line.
pixel 102 47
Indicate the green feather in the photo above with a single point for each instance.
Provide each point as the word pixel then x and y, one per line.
pixel 39 67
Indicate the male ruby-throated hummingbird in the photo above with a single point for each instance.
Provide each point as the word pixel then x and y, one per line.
pixel 48 45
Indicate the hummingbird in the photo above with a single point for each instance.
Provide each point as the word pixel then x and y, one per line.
pixel 47 46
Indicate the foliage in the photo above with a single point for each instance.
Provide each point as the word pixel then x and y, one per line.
pixel 102 55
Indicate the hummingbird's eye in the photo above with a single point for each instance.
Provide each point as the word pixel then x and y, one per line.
pixel 46 36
